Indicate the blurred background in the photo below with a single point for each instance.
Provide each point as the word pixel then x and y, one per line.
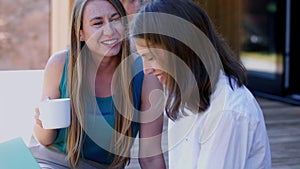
pixel 24 34
pixel 261 32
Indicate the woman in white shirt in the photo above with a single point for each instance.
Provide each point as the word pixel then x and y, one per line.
pixel 215 122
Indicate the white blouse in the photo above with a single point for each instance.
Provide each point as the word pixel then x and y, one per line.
pixel 230 134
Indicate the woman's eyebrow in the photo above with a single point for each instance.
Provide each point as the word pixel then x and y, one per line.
pixel 96 18
pixel 100 17
pixel 114 14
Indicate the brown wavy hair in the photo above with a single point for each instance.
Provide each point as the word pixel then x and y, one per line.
pixel 154 24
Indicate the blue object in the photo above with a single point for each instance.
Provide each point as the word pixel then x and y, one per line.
pixel 14 154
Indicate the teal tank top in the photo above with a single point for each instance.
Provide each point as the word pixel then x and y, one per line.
pixel 90 149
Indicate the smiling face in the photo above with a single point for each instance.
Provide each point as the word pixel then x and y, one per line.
pixel 154 57
pixel 102 28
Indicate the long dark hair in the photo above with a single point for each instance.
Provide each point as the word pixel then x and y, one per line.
pixel 151 25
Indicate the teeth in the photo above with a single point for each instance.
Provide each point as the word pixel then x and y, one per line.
pixel 109 42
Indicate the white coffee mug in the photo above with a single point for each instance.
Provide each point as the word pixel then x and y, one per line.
pixel 55 113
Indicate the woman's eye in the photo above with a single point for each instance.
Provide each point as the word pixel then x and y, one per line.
pixel 115 19
pixel 98 23
pixel 149 58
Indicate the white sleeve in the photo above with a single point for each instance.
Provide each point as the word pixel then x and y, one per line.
pixel 260 154
pixel 239 142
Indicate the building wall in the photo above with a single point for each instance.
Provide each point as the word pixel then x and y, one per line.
pixel 24 34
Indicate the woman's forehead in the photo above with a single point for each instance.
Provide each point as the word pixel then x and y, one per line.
pixel 99 8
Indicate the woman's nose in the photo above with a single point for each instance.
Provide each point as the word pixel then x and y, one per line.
pixel 108 29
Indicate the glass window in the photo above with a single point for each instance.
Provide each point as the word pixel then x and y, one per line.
pixel 259 49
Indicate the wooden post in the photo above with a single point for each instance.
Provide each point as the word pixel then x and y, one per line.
pixel 60 19
pixel 226 16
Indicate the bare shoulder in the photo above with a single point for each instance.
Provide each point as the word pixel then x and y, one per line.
pixel 57 60
pixel 54 68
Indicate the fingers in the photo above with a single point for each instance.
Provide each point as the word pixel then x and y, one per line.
pixel 36 113
pixel 37 110
pixel 47 98
pixel 36 117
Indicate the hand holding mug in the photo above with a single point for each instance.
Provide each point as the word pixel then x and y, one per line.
pixel 37 117
pixel 54 113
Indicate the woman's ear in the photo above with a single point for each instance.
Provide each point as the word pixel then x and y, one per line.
pixel 81 37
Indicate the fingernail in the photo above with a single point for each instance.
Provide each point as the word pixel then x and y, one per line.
pixel 47 98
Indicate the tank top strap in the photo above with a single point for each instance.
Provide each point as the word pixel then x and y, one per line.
pixel 63 87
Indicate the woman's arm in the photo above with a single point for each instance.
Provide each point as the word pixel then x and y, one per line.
pixel 52 77
pixel 150 152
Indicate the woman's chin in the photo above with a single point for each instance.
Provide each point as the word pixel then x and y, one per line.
pixel 113 51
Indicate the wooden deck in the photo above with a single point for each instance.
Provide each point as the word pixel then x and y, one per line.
pixel 283 125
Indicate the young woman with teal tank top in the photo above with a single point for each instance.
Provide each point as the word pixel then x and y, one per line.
pixel 109 93
pixel 91 150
